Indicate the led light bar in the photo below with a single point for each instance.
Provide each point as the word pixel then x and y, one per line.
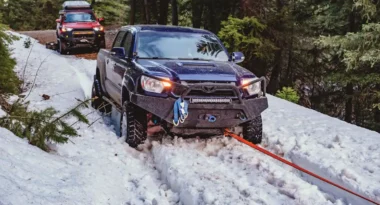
pixel 210 100
pixel 67 5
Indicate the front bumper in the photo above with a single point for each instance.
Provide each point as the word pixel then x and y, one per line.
pixel 238 111
pixel 74 38
pixel 227 115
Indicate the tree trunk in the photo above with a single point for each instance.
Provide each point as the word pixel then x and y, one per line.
pixel 350 86
pixel 174 12
pixel 349 103
pixel 197 10
pixel 274 78
pixel 132 13
pixel 164 7
pixel 154 10
pixel 377 110
pixel 146 12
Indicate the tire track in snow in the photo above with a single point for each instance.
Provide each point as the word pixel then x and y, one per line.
pixel 222 171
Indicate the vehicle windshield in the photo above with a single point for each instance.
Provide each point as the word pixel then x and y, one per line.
pixel 79 17
pixel 178 45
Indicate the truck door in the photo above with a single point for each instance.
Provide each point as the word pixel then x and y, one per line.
pixel 123 64
pixel 110 82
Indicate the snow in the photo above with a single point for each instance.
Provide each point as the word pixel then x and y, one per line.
pixel 98 168
pixel 2 112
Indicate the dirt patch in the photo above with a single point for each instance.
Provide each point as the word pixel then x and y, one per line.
pixel 46 36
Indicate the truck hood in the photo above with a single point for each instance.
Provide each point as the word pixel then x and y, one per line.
pixel 195 70
pixel 82 25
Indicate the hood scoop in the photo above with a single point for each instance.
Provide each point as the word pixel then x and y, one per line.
pixel 197 65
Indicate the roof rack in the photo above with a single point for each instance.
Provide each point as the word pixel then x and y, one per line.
pixel 75 5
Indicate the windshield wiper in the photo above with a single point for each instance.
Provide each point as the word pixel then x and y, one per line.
pixel 196 59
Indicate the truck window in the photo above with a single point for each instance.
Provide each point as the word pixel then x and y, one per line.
pixel 119 39
pixel 128 43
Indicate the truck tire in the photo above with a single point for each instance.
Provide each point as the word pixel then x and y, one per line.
pixel 61 47
pixel 133 124
pixel 253 130
pixel 99 103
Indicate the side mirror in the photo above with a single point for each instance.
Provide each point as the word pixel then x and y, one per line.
pixel 237 57
pixel 101 20
pixel 118 52
pixel 58 20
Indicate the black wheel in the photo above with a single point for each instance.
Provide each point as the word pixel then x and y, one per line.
pixel 253 130
pixel 99 103
pixel 133 124
pixel 61 47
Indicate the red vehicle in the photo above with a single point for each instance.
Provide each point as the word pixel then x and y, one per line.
pixel 78 26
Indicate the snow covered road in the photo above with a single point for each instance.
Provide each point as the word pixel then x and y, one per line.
pixel 97 168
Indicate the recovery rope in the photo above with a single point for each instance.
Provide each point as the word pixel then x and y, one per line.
pixel 229 133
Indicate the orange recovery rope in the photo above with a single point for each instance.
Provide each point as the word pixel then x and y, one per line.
pixel 229 133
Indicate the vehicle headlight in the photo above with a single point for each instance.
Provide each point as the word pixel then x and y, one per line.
pixel 252 89
pixel 100 28
pixel 153 85
pixel 64 29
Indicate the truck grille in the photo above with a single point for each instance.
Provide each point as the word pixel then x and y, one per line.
pixel 210 91
pixel 216 93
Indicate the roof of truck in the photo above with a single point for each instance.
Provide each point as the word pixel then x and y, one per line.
pixel 166 28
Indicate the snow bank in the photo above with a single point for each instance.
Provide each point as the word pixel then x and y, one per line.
pixel 346 154
pixel 94 168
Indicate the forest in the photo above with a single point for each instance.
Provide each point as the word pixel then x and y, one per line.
pixel 321 54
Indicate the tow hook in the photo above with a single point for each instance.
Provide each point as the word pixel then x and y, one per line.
pixel 241 116
pixel 210 118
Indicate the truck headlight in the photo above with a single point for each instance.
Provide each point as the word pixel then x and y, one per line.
pixel 252 89
pixel 64 29
pixel 100 28
pixel 153 85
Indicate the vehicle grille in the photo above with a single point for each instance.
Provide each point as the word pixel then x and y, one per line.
pixel 217 93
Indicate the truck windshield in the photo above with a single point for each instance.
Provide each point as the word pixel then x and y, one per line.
pixel 79 17
pixel 178 45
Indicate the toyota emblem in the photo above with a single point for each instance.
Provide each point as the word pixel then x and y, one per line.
pixel 208 89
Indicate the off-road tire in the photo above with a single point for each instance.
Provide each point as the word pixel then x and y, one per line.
pixel 253 130
pixel 61 47
pixel 134 129
pixel 97 93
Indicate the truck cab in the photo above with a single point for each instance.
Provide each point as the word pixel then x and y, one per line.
pixel 151 68
pixel 78 26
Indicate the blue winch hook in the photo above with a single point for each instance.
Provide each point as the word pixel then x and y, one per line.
pixel 180 111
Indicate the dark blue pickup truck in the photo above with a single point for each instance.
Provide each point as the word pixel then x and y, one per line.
pixel 154 72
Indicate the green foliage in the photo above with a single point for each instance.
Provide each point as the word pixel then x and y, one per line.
pixel 40 127
pixel 246 35
pixel 9 83
pixel 289 94
pixel 113 11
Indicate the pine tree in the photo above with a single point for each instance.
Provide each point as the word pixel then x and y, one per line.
pixel 9 83
pixel 40 127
